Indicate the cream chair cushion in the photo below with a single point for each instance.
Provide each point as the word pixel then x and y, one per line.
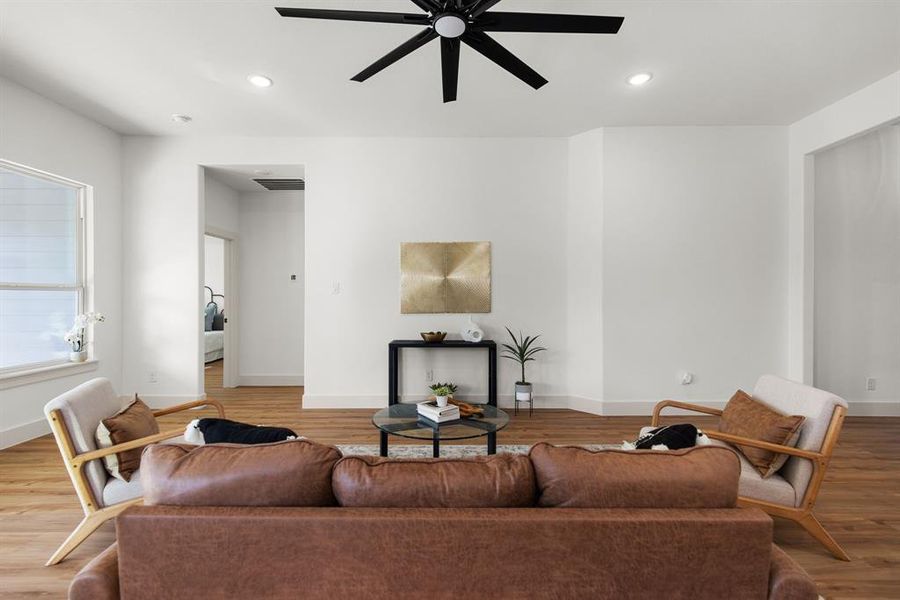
pixel 773 488
pixel 82 409
pixel 816 405
pixel 119 490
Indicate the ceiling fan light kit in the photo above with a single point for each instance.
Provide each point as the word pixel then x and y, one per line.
pixel 466 22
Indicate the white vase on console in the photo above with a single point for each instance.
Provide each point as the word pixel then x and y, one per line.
pixel 471 332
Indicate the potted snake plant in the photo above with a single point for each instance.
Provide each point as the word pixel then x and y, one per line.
pixel 522 351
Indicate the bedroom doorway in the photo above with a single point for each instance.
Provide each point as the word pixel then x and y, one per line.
pixel 255 217
pixel 219 308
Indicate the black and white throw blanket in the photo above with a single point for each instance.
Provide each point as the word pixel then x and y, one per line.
pixel 669 437
pixel 215 431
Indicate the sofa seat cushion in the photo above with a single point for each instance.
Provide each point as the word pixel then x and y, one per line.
pixel 289 473
pixel 502 480
pixel 574 477
pixel 773 488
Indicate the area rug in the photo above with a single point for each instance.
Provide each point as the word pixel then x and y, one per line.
pixel 448 451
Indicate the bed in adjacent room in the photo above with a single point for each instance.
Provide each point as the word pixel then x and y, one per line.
pixel 214 328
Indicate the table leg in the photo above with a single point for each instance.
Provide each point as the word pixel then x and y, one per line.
pixel 492 442
pixel 384 444
pixel 436 445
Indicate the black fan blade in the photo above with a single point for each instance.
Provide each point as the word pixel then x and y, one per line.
pixel 427 5
pixel 485 45
pixel 546 23
pixel 413 43
pixel 450 67
pixel 481 6
pixel 354 15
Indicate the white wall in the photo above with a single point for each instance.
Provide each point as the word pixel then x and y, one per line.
pixel 584 271
pixel 860 112
pixel 221 210
pixel 271 249
pixel 41 134
pixel 364 197
pixel 214 267
pixel 857 267
pixel 694 261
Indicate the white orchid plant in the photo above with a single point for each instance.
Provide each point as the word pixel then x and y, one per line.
pixel 75 336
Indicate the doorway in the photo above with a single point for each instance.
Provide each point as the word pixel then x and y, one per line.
pixel 220 321
pixel 254 219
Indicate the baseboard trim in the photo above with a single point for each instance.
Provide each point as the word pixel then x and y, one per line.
pixel 167 400
pixel 380 401
pixel 873 408
pixel 644 408
pixel 270 380
pixel 23 433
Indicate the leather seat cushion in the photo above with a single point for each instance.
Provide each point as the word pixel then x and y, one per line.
pixel 502 480
pixel 289 473
pixel 575 477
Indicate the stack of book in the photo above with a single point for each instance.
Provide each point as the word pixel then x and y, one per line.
pixel 431 411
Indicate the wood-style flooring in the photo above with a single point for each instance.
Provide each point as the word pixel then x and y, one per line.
pixel 859 503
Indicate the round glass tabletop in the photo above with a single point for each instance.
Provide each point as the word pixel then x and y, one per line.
pixel 405 421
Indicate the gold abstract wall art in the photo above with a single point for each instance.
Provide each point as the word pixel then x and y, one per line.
pixel 438 277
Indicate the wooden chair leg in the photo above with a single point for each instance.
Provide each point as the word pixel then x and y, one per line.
pixel 87 526
pixel 811 524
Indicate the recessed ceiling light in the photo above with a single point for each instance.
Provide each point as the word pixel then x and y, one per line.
pixel 262 172
pixel 640 78
pixel 260 81
pixel 181 118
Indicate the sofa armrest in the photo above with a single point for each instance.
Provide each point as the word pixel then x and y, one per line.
pixel 80 459
pixel 706 410
pixel 99 579
pixel 788 580
pixel 189 405
pixel 777 448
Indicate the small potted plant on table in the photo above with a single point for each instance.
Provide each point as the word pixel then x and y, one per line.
pixel 522 350
pixel 442 392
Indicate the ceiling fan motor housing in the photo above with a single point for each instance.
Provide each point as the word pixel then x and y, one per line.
pixel 449 25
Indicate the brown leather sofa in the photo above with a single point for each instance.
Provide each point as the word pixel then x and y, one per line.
pixel 294 520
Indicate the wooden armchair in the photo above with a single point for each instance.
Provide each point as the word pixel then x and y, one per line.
pixel 74 417
pixel 791 493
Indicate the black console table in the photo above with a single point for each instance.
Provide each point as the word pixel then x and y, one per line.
pixel 394 363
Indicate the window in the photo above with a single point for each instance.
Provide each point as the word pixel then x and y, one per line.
pixel 41 265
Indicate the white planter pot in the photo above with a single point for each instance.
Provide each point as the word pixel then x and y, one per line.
pixel 523 392
pixel 441 401
pixel 78 357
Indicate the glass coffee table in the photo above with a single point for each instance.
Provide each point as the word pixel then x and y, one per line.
pixel 403 420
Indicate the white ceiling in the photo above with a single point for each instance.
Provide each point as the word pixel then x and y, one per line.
pixel 131 64
pixel 240 177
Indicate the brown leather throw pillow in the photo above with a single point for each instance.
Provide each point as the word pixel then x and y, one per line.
pixel 747 417
pixel 132 423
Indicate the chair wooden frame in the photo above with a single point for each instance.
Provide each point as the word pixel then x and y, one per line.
pixel 95 514
pixel 803 514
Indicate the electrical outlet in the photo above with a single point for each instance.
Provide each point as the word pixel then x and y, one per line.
pixel 429 376
pixel 153 377
pixel 335 288
pixel 871 384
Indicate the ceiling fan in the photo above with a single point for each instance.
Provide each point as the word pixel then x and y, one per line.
pixel 465 21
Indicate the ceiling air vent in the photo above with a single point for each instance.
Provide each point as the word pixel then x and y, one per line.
pixel 277 185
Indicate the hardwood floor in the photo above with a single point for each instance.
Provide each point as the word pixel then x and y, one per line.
pixel 859 503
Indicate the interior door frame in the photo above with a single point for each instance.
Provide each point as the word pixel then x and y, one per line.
pixel 230 373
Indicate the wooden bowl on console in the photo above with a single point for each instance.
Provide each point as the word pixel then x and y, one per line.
pixel 433 337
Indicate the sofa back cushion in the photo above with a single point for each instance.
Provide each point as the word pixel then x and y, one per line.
pixel 573 477
pixel 289 473
pixel 502 480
